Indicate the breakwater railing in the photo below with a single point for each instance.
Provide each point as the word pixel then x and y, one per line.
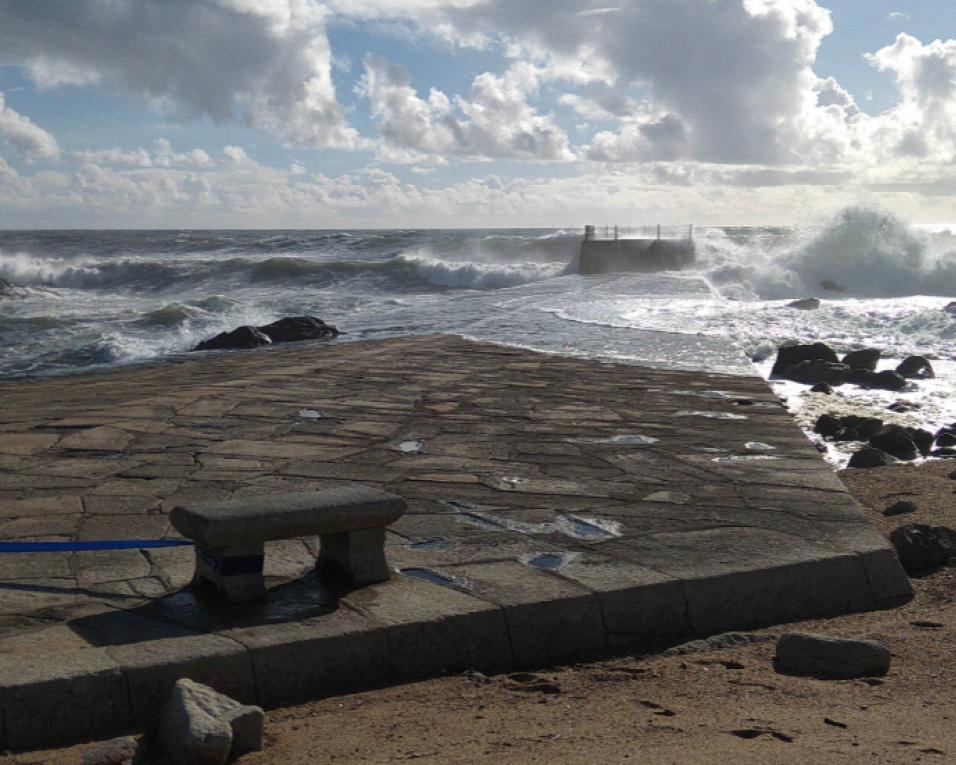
pixel 658 231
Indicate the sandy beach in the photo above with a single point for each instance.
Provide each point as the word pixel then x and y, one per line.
pixel 700 703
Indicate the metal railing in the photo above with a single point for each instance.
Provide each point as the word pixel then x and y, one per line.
pixel 659 231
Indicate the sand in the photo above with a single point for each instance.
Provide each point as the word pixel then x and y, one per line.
pixel 701 706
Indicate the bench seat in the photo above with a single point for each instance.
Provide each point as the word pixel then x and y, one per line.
pixel 229 535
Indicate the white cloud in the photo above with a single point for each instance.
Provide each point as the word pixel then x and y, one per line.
pixel 494 121
pixel 266 63
pixel 28 138
pixel 161 156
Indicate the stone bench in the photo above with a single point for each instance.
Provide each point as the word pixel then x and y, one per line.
pixel 229 535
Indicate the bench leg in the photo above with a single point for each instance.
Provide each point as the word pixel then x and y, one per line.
pixel 234 572
pixel 358 557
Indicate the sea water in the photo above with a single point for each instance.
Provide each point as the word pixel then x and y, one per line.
pixel 98 299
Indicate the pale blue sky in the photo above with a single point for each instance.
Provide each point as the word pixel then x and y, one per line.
pixel 545 106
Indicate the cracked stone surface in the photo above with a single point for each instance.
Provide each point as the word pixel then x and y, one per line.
pixel 633 483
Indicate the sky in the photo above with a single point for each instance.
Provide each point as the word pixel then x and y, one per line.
pixel 473 113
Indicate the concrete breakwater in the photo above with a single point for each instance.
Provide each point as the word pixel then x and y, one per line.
pixel 558 508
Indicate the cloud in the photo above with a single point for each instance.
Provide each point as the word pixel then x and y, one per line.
pixel 265 63
pixel 29 139
pixel 161 156
pixel 495 121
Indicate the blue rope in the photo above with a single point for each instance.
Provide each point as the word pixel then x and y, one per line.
pixel 112 544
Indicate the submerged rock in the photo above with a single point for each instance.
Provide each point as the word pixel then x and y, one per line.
pixel 788 355
pixel 916 367
pixel 950 307
pixel 241 337
pixel 923 547
pixel 867 358
pixel 804 304
pixel 824 656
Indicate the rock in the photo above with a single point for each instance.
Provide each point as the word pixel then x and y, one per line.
pixel 788 355
pixel 116 751
pixel 867 427
pixel 241 337
pixel 199 726
pixel 824 656
pixel 814 371
pixel 922 438
pixel 916 367
pixel 292 329
pixel 827 425
pixel 901 407
pixel 946 437
pixel 944 453
pixel 866 358
pixel 900 508
pixel 822 387
pixel 868 457
pixel 804 304
pixel 895 440
pixel 950 307
pixel 847 434
pixel 885 380
pixel 923 547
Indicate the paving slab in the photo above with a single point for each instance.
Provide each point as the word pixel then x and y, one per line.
pixel 557 507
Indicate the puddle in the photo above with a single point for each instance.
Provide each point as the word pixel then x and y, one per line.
pixel 436 544
pixel 711 415
pixel 549 561
pixel 745 458
pixel 411 447
pixel 433 577
pixel 759 446
pixel 310 414
pixel 587 528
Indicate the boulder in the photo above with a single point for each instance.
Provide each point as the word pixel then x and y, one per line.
pixel 822 387
pixel 867 358
pixel 116 751
pixel 804 304
pixel 900 508
pixel 944 452
pixel 868 457
pixel 946 437
pixel 867 427
pixel 292 329
pixel 885 380
pixel 916 367
pixel 813 371
pixel 895 440
pixel 923 439
pixel 950 307
pixel 823 656
pixel 241 337
pixel 788 355
pixel 901 407
pixel 827 425
pixel 923 547
pixel 847 434
pixel 199 726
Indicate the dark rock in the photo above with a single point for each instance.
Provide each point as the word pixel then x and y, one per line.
pixel 813 371
pixel 868 457
pixel 944 453
pixel 827 425
pixel 241 337
pixel 866 358
pixel 946 437
pixel 923 547
pixel 895 440
pixel 804 304
pixel 900 508
pixel 922 438
pixel 295 328
pixel 824 656
pixel 900 407
pixel 116 751
pixel 822 387
pixel 950 307
pixel 916 367
pixel 867 427
pixel 885 380
pixel 788 355
pixel 847 434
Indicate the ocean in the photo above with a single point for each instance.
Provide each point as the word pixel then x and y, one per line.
pixel 91 300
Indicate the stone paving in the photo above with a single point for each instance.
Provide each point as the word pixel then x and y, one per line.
pixel 557 508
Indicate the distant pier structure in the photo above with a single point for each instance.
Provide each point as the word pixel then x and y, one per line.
pixel 612 249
